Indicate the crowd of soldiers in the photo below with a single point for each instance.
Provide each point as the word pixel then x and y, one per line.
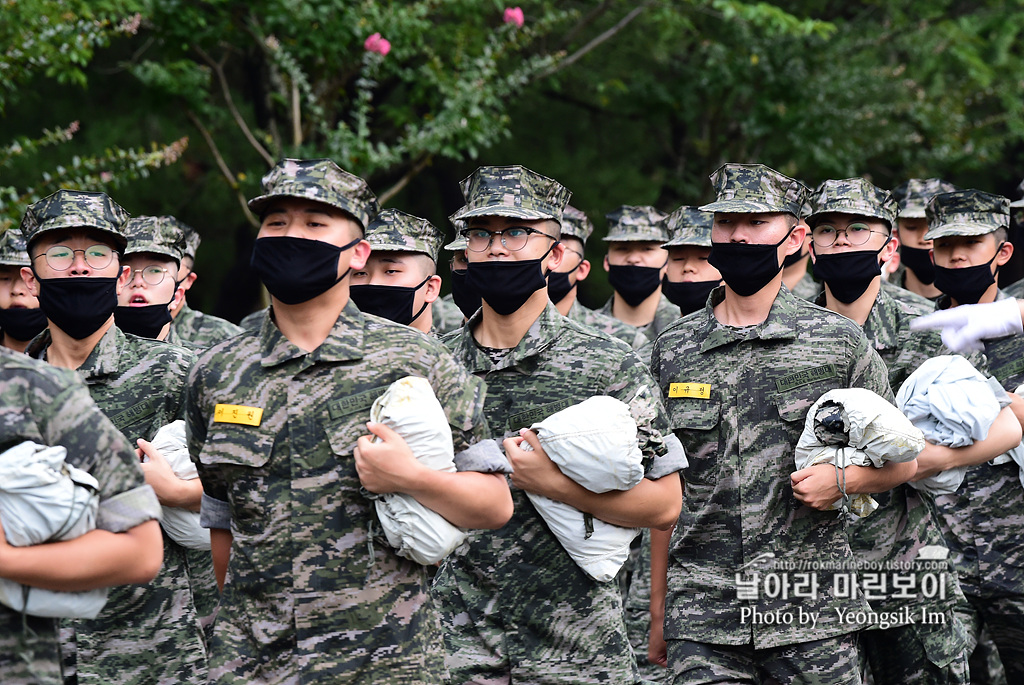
pixel 727 322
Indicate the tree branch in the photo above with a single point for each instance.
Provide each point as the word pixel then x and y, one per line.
pixel 419 166
pixel 583 23
pixel 576 56
pixel 223 166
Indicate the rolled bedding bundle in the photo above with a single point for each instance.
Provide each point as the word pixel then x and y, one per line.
pixel 181 525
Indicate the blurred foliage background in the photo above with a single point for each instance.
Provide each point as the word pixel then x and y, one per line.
pixel 178 106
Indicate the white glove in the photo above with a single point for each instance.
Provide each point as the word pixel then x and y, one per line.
pixel 964 327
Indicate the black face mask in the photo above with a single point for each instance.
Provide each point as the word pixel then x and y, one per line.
pixel 848 274
pixel 745 268
pixel 78 306
pixel 467 300
pixel 920 262
pixel 689 296
pixel 634 283
pixel 559 285
pixel 966 285
pixel 144 322
pixel 22 324
pixel 296 270
pixel 392 302
pixel 506 286
pixel 794 258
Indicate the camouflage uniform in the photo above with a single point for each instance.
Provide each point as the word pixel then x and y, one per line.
pixel 252 322
pixel 12 253
pixel 194 327
pixel 146 633
pixel 912 196
pixel 893 536
pixel 982 521
pixel 666 315
pixel 50 406
pixel 446 315
pixel 807 288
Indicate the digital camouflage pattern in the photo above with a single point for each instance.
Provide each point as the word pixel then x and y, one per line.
pixel 738 408
pixel 608 325
pixel 576 224
pixel 917 653
pixel 395 231
pixel 689 226
pixel 807 288
pixel 513 191
pixel 313 593
pixel 202 330
pixel 666 315
pixel 75 209
pixel 192 239
pixel 160 235
pixel 12 249
pixel 51 406
pixel 966 212
pixel 853 196
pixel 638 613
pixel 320 180
pixel 446 315
pixel 513 602
pixel 631 223
pixel 254 321
pixel 912 196
pixel 755 188
pixel 146 633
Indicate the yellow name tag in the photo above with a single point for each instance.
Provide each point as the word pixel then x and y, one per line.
pixel 701 391
pixel 237 413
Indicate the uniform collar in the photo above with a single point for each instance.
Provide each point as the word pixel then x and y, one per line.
pixel 104 360
pixel 778 326
pixel 343 343
pixel 525 356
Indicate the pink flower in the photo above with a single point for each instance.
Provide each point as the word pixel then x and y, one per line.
pixel 375 43
pixel 514 15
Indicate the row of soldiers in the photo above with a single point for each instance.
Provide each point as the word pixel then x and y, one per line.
pixel 710 340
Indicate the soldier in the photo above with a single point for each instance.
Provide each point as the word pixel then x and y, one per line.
pixel 400 281
pixel 636 264
pixel 50 406
pixel 916 272
pixel 448 314
pixel 154 253
pixel 689 278
pixel 515 606
pixel 981 521
pixel 21 319
pixel 795 273
pixel 738 379
pixel 851 229
pixel 562 282
pixel 1016 289
pixel 202 330
pixel 277 423
pixel 74 239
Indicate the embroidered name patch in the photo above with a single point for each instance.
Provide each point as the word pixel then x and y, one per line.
pixel 807 376
pixel 237 413
pixel 700 391
pixel 343 406
pixel 136 412
pixel 528 418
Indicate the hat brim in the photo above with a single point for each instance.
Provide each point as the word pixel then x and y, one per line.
pixel 120 242
pixel 1018 203
pixel 512 212
pixel 960 229
pixel 258 204
pixel 744 207
pixel 393 247
pixel 912 213
pixel 634 238
pixel 686 242
pixel 457 245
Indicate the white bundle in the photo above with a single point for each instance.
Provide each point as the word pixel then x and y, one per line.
pixel 181 525
pixel 44 499
pixel 595 444
pixel 410 408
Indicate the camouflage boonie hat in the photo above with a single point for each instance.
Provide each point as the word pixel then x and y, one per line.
pixel 12 249
pixel 1020 202
pixel 966 212
pixel 75 209
pixel 192 240
pixel 321 180
pixel 459 244
pixel 853 196
pixel 513 191
pixel 395 231
pixel 160 235
pixel 631 223
pixel 913 195
pixel 576 224
pixel 755 189
pixel 689 226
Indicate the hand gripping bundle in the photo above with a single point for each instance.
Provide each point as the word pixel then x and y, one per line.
pixel 44 499
pixel 410 408
pixel 595 444
pixel 856 427
pixel 181 525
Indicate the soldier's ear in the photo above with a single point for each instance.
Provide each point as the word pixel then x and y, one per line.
pixel 29 276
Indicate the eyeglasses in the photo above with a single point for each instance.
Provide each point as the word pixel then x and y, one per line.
pixel 514 238
pixel 153 275
pixel 61 257
pixel 826 235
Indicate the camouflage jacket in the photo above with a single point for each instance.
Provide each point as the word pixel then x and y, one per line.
pixel 447 317
pixel 145 632
pixel 665 316
pixel 202 330
pixel 50 406
pixel 521 573
pixel 253 321
pixel 607 324
pixel 737 398
pixel 311 594
pixel 807 288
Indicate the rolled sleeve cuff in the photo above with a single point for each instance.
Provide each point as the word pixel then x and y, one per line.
pixel 214 513
pixel 672 461
pixel 484 456
pixel 128 509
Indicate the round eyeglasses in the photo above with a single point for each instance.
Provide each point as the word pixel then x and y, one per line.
pixel 152 275
pixel 826 235
pixel 514 238
pixel 61 257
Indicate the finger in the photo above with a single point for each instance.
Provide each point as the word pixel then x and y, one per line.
pixel 960 340
pixel 531 439
pixel 381 431
pixel 512 443
pixel 947 318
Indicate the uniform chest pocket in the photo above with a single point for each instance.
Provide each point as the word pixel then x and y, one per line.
pixel 793 404
pixel 698 425
pixel 229 444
